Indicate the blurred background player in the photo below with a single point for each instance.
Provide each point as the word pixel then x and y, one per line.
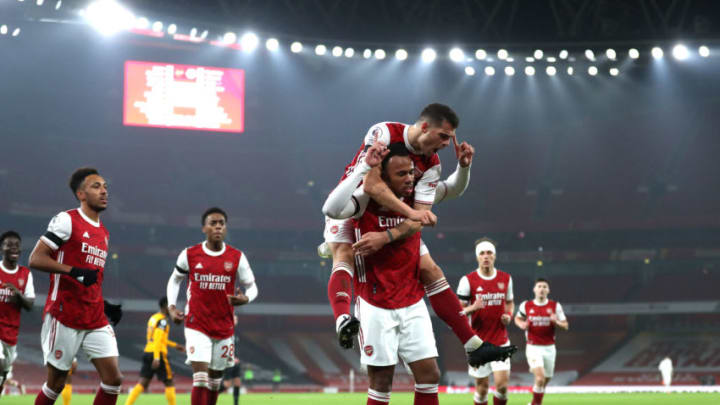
pixel 212 269
pixel 231 377
pixel 155 361
pixel 73 251
pixel 539 318
pixel 666 370
pixel 16 292
pixel 433 131
pixel 487 295
pixel 66 393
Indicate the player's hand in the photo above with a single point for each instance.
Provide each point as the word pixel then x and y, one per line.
pixel 12 288
pixel 86 276
pixel 464 152
pixel 425 217
pixel 113 312
pixel 236 360
pixel 238 299
pixel 375 154
pixel 553 318
pixel 370 243
pixel 155 364
pixel 180 348
pixel 478 304
pixel 523 325
pixel 505 319
pixel 176 315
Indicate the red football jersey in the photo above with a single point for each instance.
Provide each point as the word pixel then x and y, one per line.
pixel 494 292
pixel 9 310
pixel 427 168
pixel 211 279
pixel 78 241
pixel 389 277
pixel 540 331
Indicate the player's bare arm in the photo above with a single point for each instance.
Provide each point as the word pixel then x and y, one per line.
pixel 564 325
pixel 371 242
pixel 41 259
pixel 521 322
pixel 376 188
pixel 238 299
pixel 469 309
pixel 509 310
pixel 19 298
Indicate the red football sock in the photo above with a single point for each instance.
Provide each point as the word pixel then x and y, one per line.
pixel 447 306
pixel 426 394
pixel 215 386
pixel 499 401
pixel 107 395
pixel 340 289
pixel 537 398
pixel 46 396
pixel 199 395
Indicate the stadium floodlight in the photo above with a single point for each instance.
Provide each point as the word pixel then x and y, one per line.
pixel 367 54
pixel 529 71
pixel 590 55
pixel 657 52
pixel 592 70
pixel 193 32
pixel 551 59
pixel 563 54
pixel 272 44
pixel 570 70
pixel 611 54
pixel 401 54
pixel 337 51
pixel 229 38
pixel 349 52
pixel 3 29
pixel 457 55
pixel 614 71
pixel 502 54
pixel 551 70
pixel 704 51
pixel 296 47
pixel 538 54
pixel 509 70
pixel 172 29
pixel 108 17
pixel 249 42
pixel 158 26
pixel 428 55
pixel 58 4
pixel 633 53
pixel 529 59
pixel 320 50
pixel 489 70
pixel 680 52
pixel 380 54
pixel 40 2
pixel 480 54
pixel 509 59
pixel 469 70
pixel 16 32
pixel 204 34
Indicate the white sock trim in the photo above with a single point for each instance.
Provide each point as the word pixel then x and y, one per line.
pixel 538 390
pixel 378 396
pixel 499 395
pixel 426 388
pixel 472 344
pixel 200 379
pixel 48 392
pixel 342 266
pixel 436 287
pixel 111 389
pixel 480 399
pixel 215 383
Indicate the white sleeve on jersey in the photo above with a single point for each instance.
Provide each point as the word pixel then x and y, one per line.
pixel 341 203
pixel 521 310
pixel 425 188
pixel 378 132
pixel 178 275
pixel 29 288
pixel 560 313
pixel 247 278
pixel 454 186
pixel 58 231
pixel 463 290
pixel 509 296
pixel 182 262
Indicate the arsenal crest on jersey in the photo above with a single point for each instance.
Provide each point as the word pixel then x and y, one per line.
pixel 368 350
pixel 21 282
pixel 549 311
pixel 228 266
pixel 501 286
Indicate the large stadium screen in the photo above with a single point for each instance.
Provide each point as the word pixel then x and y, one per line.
pixel 184 96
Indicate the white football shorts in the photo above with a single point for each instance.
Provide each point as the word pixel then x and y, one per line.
pixel 8 354
pixel 60 343
pixel 486 369
pixel 219 353
pixel 541 356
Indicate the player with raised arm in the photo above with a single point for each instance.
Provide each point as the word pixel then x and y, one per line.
pixel 539 318
pixel 73 251
pixel 434 130
pixel 212 269
pixel 487 296
pixel 16 292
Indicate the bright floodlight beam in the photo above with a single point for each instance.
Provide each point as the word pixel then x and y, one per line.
pixel 272 44
pixel 158 26
pixel 633 53
pixel 538 54
pixel 367 54
pixel 380 54
pixel 704 51
pixel 349 52
pixel 509 70
pixel 589 54
pixel 529 71
pixel 58 4
pixel 657 53
pixel 108 17
pixel 592 70
pixel 570 70
pixel 296 47
pixel 480 54
pixel 469 70
pixel 320 50
pixel 193 32
pixel 249 42
pixel 16 32
pixel 457 55
pixel 680 52
pixel 337 51
pixel 614 71
pixel 172 29
pixel 401 54
pixel 428 55
pixel 502 54
pixel 611 54
pixel 563 54
pixel 489 70
pixel 3 29
pixel 551 70
pixel 229 38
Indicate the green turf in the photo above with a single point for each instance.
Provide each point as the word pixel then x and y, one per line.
pixel 404 399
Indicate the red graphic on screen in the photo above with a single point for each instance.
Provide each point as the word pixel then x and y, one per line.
pixel 184 96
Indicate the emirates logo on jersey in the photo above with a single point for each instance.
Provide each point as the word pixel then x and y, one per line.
pixel 368 349
pixel 228 266
pixel 58 354
pixel 501 286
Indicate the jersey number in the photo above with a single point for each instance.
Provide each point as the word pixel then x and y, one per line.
pixel 228 351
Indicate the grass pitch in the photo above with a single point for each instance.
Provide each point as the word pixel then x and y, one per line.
pixel 402 398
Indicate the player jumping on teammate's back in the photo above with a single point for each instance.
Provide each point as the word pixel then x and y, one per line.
pixel 16 292
pixel 73 251
pixel 212 269
pixel 539 318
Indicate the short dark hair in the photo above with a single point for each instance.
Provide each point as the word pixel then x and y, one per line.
pixel 486 239
pixel 213 210
pixel 78 176
pixel 394 149
pixel 162 302
pixel 436 113
pixel 9 234
pixel 541 280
